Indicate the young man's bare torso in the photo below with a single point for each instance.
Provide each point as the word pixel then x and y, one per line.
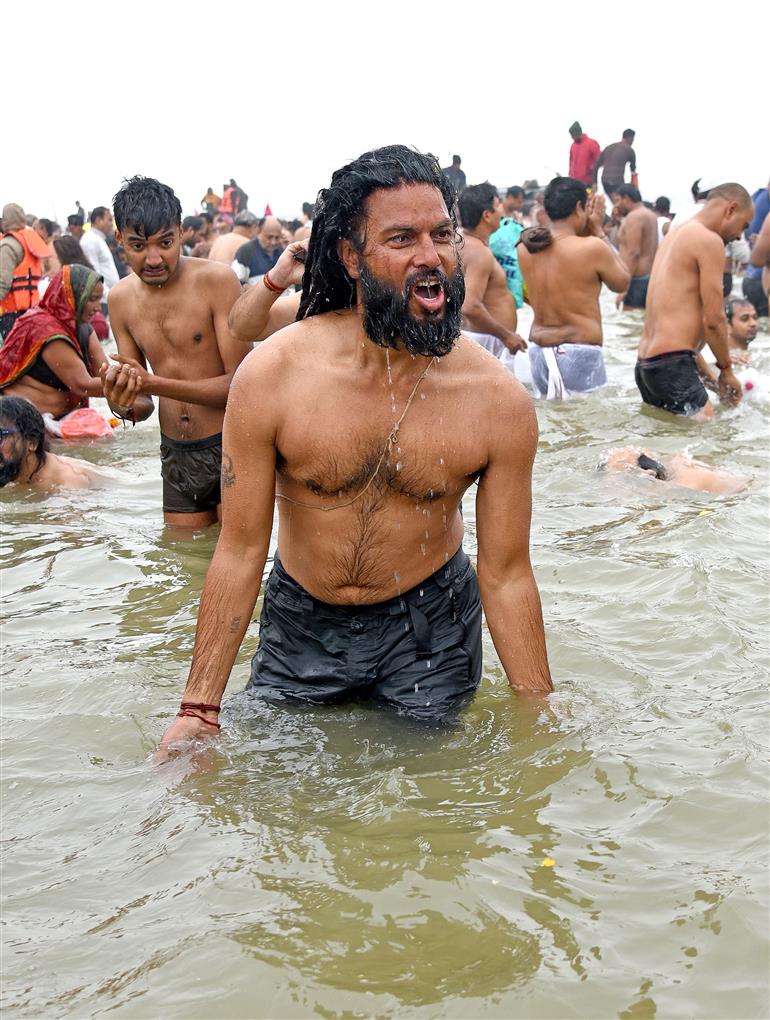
pixel 172 313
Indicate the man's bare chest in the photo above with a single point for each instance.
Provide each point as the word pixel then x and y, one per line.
pixel 173 329
pixel 424 459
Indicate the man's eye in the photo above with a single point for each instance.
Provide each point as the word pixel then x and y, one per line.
pixel 400 238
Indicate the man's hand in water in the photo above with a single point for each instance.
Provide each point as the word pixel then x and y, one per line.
pixel 515 343
pixel 121 384
pixel 290 267
pixel 184 730
pixel 595 208
pixel 730 390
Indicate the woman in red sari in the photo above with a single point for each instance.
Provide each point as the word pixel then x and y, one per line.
pixel 52 356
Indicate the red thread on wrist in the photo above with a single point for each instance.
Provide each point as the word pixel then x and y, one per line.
pixel 200 706
pixel 188 714
pixel 723 368
pixel 271 286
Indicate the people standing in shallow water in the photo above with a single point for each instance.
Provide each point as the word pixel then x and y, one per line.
pixel 374 416
pixel 25 458
pixel 564 267
pixel 52 356
pixel 172 312
pixel 684 303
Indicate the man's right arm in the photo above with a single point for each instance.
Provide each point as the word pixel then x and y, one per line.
pixel 120 384
pixel 235 575
pixel 259 312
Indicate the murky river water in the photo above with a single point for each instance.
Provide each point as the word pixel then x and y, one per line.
pixel 606 858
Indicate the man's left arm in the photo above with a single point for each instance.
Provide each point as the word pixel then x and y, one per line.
pixel 509 592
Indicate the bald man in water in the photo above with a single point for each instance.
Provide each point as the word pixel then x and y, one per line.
pixel 564 267
pixel 685 309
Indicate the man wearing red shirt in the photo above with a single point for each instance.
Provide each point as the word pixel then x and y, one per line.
pixel 583 155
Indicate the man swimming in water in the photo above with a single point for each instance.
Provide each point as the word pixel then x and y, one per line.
pixel 564 268
pixel 678 470
pixel 173 312
pixel 685 302
pixel 25 458
pixel 368 419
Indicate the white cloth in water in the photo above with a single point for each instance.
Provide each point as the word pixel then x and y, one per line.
pixel 517 363
pixel 558 372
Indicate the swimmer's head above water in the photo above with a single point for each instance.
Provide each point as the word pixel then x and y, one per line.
pixel 23 440
pixel 385 240
pixel 679 470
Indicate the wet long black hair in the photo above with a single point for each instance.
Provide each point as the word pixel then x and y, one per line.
pixel 16 412
pixel 339 215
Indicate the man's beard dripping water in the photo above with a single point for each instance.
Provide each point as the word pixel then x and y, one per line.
pixel 387 320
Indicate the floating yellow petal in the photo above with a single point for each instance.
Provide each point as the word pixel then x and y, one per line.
pixel 547 862
pixel 704 512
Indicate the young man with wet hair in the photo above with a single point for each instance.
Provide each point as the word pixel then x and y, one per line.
pixel 367 419
pixel 564 267
pixel 685 302
pixel 489 309
pixel 637 241
pixel 172 313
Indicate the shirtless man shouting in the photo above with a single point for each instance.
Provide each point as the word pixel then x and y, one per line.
pixel 489 310
pixel 564 267
pixel 173 312
pixel 373 417
pixel 685 309
pixel 638 242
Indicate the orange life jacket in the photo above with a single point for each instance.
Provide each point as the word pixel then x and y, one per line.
pixel 26 276
pixel 226 205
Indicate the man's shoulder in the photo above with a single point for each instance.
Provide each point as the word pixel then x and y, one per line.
pixel 122 290
pixel 206 271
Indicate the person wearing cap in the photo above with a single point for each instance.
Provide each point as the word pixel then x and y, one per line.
pixel 22 251
pixel 245 227
pixel 583 154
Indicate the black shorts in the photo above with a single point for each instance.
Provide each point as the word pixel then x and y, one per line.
pixel 191 472
pixel 671 381
pixel 752 291
pixel 636 295
pixel 419 652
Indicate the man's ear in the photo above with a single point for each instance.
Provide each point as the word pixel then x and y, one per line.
pixel 349 258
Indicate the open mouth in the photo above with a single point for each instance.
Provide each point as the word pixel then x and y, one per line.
pixel 429 295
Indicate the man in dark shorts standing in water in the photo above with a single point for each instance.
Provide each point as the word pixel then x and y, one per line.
pixel 173 312
pixel 367 419
pixel 638 242
pixel 685 304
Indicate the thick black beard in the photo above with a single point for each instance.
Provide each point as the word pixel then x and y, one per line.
pixel 10 469
pixel 387 321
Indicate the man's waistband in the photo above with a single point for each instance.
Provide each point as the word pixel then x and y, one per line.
pixel 568 344
pixel 436 583
pixel 666 356
pixel 191 445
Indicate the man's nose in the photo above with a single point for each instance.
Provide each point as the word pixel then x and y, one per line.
pixel 426 254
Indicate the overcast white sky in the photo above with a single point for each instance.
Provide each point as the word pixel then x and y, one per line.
pixel 278 93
